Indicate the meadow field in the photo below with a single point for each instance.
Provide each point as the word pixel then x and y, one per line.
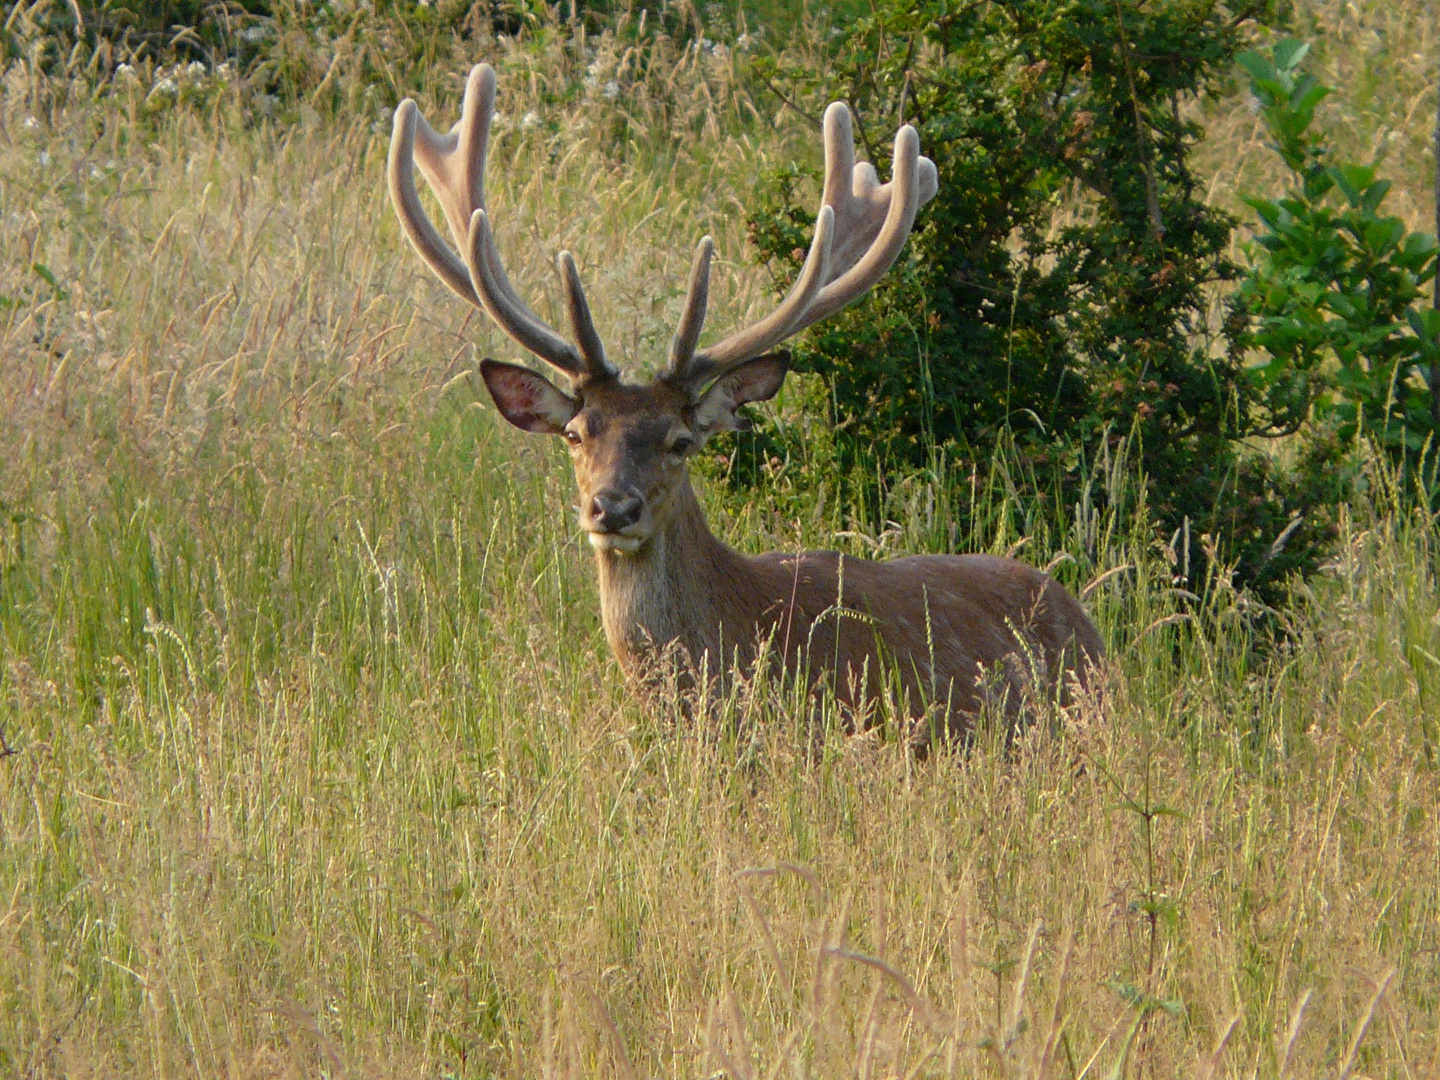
pixel 316 762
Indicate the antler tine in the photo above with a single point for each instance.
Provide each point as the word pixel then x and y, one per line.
pixel 692 319
pixel 400 173
pixel 592 349
pixel 454 166
pixel 870 223
pixel 780 323
pixel 874 243
pixel 454 163
pixel 508 310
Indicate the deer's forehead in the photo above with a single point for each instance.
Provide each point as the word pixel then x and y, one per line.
pixel 637 410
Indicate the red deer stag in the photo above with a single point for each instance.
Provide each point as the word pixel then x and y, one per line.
pixel 938 622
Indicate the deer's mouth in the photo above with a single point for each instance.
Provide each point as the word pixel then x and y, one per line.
pixel 624 542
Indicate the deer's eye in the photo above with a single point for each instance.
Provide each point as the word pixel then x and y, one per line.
pixel 682 446
pixel 571 436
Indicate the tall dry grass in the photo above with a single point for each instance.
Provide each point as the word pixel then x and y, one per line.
pixel 321 766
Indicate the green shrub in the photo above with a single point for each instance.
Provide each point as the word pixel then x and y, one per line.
pixel 1059 290
pixel 1333 300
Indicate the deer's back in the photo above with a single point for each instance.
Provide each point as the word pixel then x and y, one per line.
pixel 939 620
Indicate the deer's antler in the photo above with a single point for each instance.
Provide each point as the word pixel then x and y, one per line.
pixel 859 231
pixel 454 167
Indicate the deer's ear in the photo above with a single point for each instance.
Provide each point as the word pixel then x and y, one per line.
pixel 754 380
pixel 527 400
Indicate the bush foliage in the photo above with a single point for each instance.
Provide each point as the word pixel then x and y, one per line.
pixel 1334 299
pixel 1061 290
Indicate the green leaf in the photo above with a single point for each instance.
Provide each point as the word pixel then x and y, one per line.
pixel 1290 52
pixel 1161 908
pixel 1342 305
pixel 1308 95
pixel 1352 180
pixel 1348 189
pixel 1425 322
pixel 1258 65
pixel 1375 195
pixel 1269 211
pixel 1381 236
pixel 1419 244
pixel 1318 184
pixel 1174 1006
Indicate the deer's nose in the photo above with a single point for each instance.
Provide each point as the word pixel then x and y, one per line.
pixel 611 511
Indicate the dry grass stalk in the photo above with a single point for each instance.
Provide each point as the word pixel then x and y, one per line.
pixel 1362 1026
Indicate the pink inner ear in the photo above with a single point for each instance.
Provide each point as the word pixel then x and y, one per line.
pixel 522 398
pixel 524 408
pixel 522 401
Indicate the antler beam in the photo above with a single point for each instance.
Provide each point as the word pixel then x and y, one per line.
pixel 454 167
pixel 859 232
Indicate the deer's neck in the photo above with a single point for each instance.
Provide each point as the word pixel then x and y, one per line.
pixel 676 590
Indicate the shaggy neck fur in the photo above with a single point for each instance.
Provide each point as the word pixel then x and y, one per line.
pixel 671 590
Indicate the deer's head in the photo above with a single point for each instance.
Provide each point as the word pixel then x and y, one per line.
pixel 630 443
